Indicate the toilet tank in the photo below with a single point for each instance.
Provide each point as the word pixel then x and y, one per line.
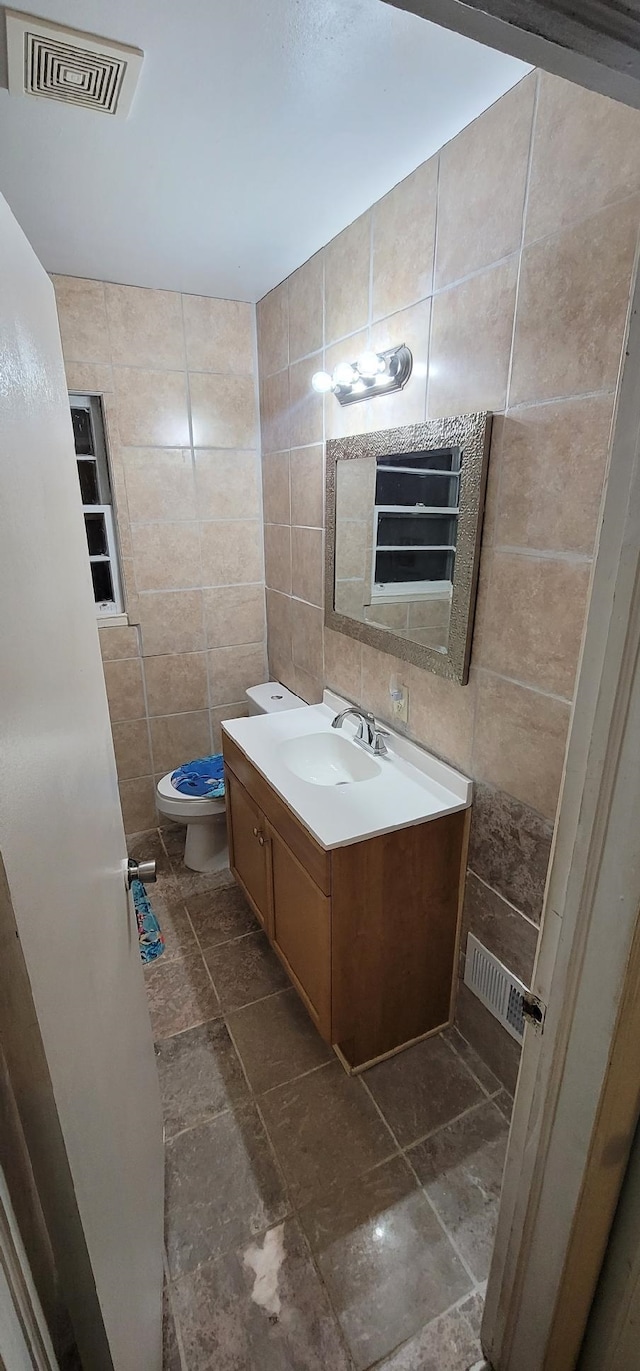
pixel 270 697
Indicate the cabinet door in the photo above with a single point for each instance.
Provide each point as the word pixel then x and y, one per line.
pixel 302 931
pixel 248 846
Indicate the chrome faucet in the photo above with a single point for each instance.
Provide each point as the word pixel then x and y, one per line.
pixel 369 735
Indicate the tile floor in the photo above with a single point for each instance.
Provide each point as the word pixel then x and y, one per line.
pixel 314 1222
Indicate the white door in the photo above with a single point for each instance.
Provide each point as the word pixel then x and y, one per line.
pixel 61 834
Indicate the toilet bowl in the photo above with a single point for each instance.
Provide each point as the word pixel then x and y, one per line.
pixel 206 841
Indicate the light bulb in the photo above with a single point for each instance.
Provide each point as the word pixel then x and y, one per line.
pixel 344 374
pixel 370 365
pixel 322 382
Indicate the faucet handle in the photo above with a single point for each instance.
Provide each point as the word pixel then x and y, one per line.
pixel 378 744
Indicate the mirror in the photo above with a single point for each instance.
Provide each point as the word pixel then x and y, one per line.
pixel 404 514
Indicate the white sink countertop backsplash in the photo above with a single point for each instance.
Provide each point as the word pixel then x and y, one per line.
pixel 411 786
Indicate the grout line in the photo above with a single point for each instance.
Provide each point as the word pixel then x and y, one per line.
pixel 381 1362
pixel 544 554
pixel 444 1228
pixel 367 1089
pixel 321 1066
pixel 433 282
pixel 524 685
pixel 441 1128
pixel 560 400
pixel 487 884
pixel 489 1094
pixel 205 1118
pixel 521 249
pixel 168 1284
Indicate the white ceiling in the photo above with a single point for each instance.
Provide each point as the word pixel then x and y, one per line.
pixel 259 129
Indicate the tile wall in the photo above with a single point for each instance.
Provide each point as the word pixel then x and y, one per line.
pixel 178 379
pixel 505 264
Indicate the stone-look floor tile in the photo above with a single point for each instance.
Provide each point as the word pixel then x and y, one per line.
pixel 200 1076
pixel 386 1262
pixel 180 995
pixel 232 1320
pixel 461 1169
pixel 174 839
pixel 146 847
pixel 220 915
pixel 276 1039
pixel 450 1343
pixel 470 1057
pixel 504 1101
pixel 170 1350
pixel 473 1308
pixel 422 1088
pixel 222 1188
pixel 325 1130
pixel 245 970
pixel 171 913
pixel 192 883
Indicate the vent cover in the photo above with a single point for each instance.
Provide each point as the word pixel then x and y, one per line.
pixel 499 990
pixel 58 63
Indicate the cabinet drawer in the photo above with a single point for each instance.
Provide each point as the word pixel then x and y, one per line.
pixel 313 857
pixel 302 931
pixel 248 846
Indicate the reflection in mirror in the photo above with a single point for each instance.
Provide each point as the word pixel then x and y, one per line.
pixel 396 530
pixel 406 511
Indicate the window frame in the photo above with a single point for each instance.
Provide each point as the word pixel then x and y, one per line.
pixel 114 608
pixel 397 592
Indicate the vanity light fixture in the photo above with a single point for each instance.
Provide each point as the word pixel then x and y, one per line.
pixel 374 373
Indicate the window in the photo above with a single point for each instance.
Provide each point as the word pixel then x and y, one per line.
pixel 97 505
pixel 415 524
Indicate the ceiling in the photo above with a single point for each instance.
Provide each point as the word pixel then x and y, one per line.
pixel 259 129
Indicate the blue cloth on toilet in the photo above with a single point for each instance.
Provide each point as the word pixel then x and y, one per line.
pixel 203 778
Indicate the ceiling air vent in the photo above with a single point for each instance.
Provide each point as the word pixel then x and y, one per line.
pixel 58 63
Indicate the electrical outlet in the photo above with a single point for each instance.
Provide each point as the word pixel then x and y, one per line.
pixel 400 702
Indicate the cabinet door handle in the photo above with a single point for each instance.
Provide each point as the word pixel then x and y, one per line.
pixel 261 839
pixel 256 832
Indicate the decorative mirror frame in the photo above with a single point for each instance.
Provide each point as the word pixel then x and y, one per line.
pixel 471 433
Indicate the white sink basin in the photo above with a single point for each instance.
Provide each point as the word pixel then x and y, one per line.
pixel 315 769
pixel 327 759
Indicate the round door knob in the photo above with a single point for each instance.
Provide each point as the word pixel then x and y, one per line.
pixel 141 871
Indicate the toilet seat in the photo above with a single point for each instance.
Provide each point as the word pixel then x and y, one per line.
pixel 187 807
pixel 206 838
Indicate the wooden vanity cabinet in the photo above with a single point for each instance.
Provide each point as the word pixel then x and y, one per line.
pixel 367 933
pixel 250 850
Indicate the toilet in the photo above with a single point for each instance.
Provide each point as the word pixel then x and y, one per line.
pixel 206 842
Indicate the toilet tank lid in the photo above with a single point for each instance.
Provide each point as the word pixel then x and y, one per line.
pixel 271 696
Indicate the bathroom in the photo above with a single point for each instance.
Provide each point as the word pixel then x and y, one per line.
pixel 322 1212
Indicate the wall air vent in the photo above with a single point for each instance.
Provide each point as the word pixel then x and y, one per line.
pixel 501 992
pixel 58 63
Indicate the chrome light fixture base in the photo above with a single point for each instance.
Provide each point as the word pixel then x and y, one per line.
pixel 395 367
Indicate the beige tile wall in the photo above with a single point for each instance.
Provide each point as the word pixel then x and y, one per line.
pixel 505 264
pixel 177 377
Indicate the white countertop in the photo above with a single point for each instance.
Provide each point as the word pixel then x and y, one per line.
pixel 411 787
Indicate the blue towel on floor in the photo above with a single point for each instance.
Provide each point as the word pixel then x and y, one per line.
pixel 149 931
pixel 204 777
